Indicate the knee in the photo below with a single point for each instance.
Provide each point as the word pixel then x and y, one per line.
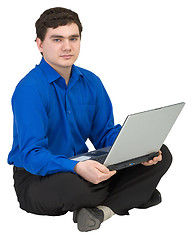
pixel 83 193
pixel 91 195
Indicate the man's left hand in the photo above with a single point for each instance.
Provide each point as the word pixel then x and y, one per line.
pixel 154 161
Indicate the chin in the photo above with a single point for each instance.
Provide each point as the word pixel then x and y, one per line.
pixel 66 64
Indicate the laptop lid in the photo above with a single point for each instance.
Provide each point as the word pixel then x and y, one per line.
pixel 143 133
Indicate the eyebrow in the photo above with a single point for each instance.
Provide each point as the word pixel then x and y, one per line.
pixel 60 36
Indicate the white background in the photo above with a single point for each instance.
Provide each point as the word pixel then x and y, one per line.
pixel 145 53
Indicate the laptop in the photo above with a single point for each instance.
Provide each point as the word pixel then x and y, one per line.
pixel 139 139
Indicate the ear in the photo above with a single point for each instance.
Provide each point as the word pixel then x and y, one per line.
pixel 39 44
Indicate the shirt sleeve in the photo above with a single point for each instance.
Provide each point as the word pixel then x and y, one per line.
pixel 31 122
pixel 103 132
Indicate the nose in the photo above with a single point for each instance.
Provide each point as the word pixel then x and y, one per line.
pixel 66 46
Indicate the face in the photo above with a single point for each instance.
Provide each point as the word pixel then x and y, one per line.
pixel 61 46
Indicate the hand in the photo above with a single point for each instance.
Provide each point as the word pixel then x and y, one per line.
pixel 154 161
pixel 93 171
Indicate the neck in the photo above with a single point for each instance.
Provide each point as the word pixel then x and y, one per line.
pixel 65 73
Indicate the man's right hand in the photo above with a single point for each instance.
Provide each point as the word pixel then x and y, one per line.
pixel 93 171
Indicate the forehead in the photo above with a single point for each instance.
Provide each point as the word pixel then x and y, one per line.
pixel 65 31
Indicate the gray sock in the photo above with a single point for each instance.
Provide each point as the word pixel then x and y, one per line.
pixel 108 213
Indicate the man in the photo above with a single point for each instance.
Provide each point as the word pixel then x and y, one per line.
pixel 57 107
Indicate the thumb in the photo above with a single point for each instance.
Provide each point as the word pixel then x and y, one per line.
pixel 102 168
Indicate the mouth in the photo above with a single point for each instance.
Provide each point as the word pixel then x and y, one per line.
pixel 66 56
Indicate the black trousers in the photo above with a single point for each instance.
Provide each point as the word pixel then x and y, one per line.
pixel 62 192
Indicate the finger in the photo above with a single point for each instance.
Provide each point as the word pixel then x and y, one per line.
pixel 107 176
pixel 146 164
pixel 158 158
pixel 113 172
pixel 110 174
pixel 149 163
pixel 160 154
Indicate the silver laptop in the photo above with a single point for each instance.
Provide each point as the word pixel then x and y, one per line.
pixel 139 139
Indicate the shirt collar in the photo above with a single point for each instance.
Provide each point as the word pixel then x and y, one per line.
pixel 75 76
pixel 53 75
pixel 49 72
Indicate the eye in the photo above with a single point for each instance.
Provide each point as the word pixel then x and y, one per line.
pixel 73 39
pixel 57 40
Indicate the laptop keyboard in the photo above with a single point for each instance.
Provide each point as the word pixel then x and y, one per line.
pixel 100 159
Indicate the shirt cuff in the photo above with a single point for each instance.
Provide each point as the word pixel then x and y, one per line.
pixel 69 165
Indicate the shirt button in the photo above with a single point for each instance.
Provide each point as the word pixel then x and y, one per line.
pixel 68 111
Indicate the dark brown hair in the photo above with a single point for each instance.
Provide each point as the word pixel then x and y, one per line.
pixel 55 17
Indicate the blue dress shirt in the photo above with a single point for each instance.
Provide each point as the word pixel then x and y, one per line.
pixel 52 121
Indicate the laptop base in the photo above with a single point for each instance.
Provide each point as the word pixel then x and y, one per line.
pixel 133 162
